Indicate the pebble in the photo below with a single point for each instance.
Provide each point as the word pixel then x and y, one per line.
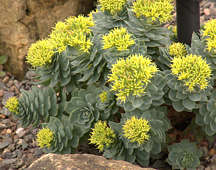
pixel 2 126
pixel 10 83
pixel 20 132
pixel 28 138
pixel 5 79
pixel 1 93
pixel 207 11
pixel 5 143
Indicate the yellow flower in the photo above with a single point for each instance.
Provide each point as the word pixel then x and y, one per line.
pixel 131 76
pixel 177 50
pixel 210 28
pixel 155 9
pixel 45 137
pixel 102 135
pixel 136 130
pixel 80 24
pixel 119 38
pixel 211 45
pixel 103 96
pixel 112 6
pixel 12 105
pixel 40 53
pixel 91 14
pixel 74 32
pixel 210 34
pixel 193 70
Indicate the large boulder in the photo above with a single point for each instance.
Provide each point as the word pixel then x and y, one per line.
pixel 22 22
pixel 81 162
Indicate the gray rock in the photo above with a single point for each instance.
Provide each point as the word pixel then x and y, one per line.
pixel 17 154
pixel 2 126
pixel 5 143
pixel 28 138
pixel 11 147
pixel 5 163
pixel 7 155
pixel 5 111
pixel 38 152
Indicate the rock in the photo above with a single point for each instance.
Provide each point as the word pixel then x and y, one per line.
pixel 10 83
pixel 2 126
pixel 5 111
pixel 28 138
pixel 7 155
pixel 206 11
pixel 25 21
pixel 20 132
pixel 38 152
pixel 5 79
pixel 5 163
pixel 80 162
pixel 1 93
pixel 5 143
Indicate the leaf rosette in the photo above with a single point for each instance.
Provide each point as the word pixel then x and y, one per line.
pixel 184 155
pixel 205 117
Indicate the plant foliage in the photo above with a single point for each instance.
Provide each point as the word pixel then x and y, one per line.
pixel 116 79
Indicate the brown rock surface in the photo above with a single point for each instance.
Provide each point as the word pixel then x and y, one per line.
pixel 81 162
pixel 22 22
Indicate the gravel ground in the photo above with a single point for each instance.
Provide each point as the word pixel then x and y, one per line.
pixel 18 148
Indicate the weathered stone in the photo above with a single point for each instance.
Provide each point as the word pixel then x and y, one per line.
pixel 20 132
pixel 5 163
pixel 80 162
pixel 25 21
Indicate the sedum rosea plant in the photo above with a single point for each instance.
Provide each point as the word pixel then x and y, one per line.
pixel 117 79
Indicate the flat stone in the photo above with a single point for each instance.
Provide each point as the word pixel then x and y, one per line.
pixel 5 143
pixel 5 163
pixel 81 162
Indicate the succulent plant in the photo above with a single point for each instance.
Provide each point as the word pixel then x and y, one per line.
pixel 110 77
pixel 61 136
pixel 138 135
pixel 184 155
pixel 34 106
pixel 189 82
pixel 205 117
pixel 137 83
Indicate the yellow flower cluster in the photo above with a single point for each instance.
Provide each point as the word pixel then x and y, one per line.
pixel 12 105
pixel 136 130
pixel 210 33
pixel 103 96
pixel 40 53
pixel 177 50
pixel 119 38
pixel 45 137
pixel 193 70
pixel 112 6
pixel 102 135
pixel 73 32
pixel 131 76
pixel 157 10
